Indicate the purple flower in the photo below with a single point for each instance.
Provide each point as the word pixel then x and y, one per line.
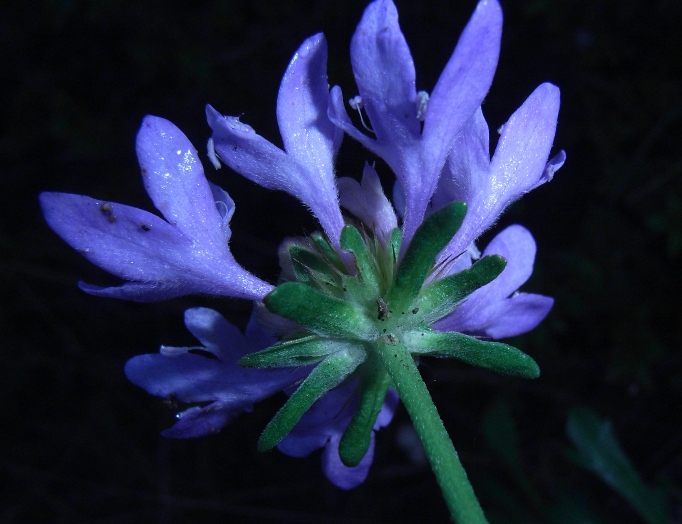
pixel 518 165
pixel 385 75
pixel 186 253
pixel 498 310
pixel 318 331
pixel 324 424
pixel 209 374
pixel 305 169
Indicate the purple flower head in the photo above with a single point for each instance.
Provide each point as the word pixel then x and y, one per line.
pixel 186 253
pixel 367 283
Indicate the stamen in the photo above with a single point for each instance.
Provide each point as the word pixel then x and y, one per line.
pixel 357 104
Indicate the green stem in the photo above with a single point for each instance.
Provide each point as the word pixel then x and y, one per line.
pixel 453 481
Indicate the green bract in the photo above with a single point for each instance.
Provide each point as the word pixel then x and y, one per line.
pixel 351 304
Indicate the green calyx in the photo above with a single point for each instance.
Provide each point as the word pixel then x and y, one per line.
pixel 350 303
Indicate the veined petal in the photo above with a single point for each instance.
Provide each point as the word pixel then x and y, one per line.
pixel 260 161
pixel 367 201
pixel 464 82
pixel 384 72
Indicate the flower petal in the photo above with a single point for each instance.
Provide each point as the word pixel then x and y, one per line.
pixel 516 315
pixel 308 135
pixel 139 291
pixel 191 378
pixel 329 415
pixel 211 329
pixel 337 472
pixel 135 245
pixel 252 156
pixel 521 155
pixel 483 312
pixel 387 410
pixel 464 82
pixel 198 422
pixel 518 165
pixel 517 246
pixel 324 424
pixel 174 178
pixel 367 201
pixel 384 72
pixel 467 168
pixel 128 242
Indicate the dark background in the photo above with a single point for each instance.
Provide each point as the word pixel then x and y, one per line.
pixel 81 444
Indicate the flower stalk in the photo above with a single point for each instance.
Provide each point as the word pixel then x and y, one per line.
pixel 452 479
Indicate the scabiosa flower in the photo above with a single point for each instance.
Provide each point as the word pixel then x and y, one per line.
pixel 360 302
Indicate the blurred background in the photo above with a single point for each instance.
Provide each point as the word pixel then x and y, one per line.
pixel 82 444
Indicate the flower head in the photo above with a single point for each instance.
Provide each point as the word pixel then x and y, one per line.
pixel 354 297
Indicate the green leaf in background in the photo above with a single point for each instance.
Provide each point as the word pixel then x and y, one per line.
pixel 499 430
pixel 599 452
pixel 572 508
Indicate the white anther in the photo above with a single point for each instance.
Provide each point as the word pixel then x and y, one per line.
pixel 422 104
pixel 356 103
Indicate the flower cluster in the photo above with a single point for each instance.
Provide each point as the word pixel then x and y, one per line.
pixel 404 271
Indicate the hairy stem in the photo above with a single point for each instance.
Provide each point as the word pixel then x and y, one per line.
pixel 453 481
